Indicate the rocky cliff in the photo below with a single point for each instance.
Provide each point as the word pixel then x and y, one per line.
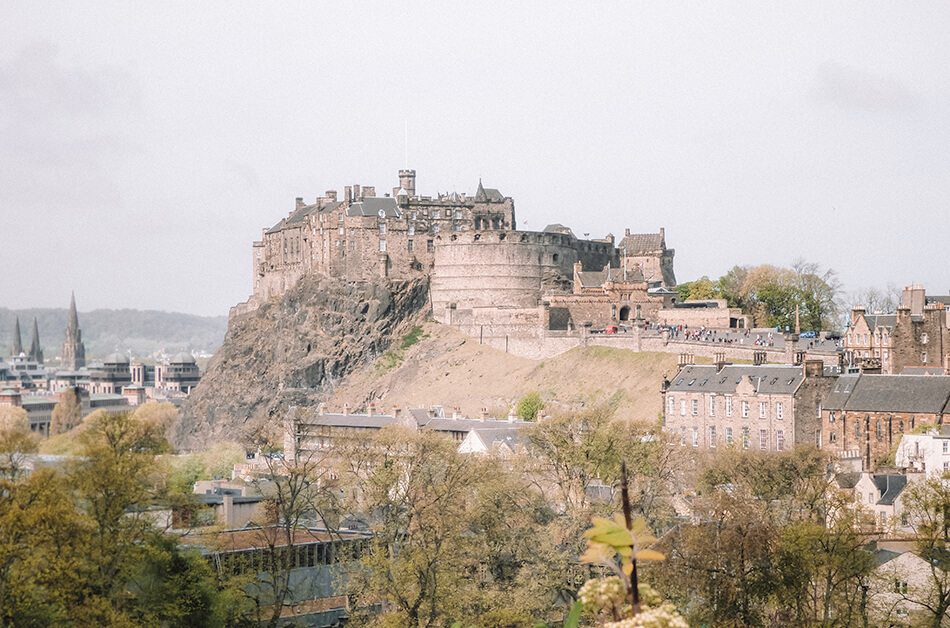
pixel 296 351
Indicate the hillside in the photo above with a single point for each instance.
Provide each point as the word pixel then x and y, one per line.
pixel 104 331
pixel 450 369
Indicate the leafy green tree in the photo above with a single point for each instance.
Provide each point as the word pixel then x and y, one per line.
pixel 529 406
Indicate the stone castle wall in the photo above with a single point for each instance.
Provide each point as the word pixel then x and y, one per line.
pixel 513 269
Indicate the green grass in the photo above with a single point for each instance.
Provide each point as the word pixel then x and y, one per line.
pixel 413 337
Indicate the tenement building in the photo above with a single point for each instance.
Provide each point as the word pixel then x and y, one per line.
pixel 758 407
pixel 865 416
pixel 916 336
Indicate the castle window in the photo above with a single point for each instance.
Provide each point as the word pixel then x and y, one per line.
pixel 763 439
pixel 352 245
pixel 878 431
pixel 382 246
pixel 429 247
pixel 745 409
pixel 412 216
pixel 832 438
pixel 340 217
pixel 712 405
pixel 412 230
pixel 762 405
pixel 780 440
pixel 409 246
pixel 695 407
pixel 458 226
pixel 923 357
pixel 831 417
pixel 436 214
pixel 458 214
pixel 342 231
pixel 728 435
pixel 382 228
pixel 435 228
pixel 554 257
pixel 778 410
pixel 923 339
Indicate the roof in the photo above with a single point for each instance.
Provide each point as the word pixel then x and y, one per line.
pixel 488 195
pixel 558 228
pixel 768 379
pixel 839 394
pixel 890 485
pixel 881 320
pixel 847 480
pixel 372 205
pixel 182 358
pixel 926 394
pixel 493 436
pixel 116 358
pixel 923 370
pixel 636 243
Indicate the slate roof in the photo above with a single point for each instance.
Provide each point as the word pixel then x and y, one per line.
pixel 371 206
pixel 881 320
pixel 890 486
pixel 923 370
pixel 495 435
pixel 768 379
pixel 597 278
pixel 637 243
pixel 840 393
pixel 847 480
pixel 488 195
pixel 900 393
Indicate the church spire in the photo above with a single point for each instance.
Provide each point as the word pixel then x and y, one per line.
pixel 36 351
pixel 17 342
pixel 74 352
pixel 73 317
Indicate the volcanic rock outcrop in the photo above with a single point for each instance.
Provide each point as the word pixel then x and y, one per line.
pixel 294 350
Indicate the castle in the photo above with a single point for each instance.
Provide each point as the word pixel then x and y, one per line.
pixel 477 259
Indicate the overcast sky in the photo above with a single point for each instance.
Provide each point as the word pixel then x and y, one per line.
pixel 145 145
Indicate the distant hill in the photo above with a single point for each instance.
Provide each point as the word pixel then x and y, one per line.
pixel 104 331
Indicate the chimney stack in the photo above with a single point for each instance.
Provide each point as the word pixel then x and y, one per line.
pixel 347 194
pixel 346 409
pixel 356 193
pixel 331 195
pixel 483 414
pixel 456 413
pixel 371 409
pixel 322 409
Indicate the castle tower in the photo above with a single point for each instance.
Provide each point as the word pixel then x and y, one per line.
pixel 17 343
pixel 407 181
pixel 36 351
pixel 74 352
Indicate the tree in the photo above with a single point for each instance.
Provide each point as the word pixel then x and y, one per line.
pixel 529 406
pixel 928 503
pixel 300 488
pixel 15 440
pixel 67 413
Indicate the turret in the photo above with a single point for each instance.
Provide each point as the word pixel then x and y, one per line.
pixel 17 342
pixel 407 181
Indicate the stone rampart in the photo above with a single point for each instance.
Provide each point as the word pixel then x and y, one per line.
pixel 509 268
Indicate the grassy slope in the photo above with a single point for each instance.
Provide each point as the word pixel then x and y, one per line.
pixel 450 369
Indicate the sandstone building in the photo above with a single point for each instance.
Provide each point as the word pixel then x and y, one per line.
pixel 916 336
pixel 758 407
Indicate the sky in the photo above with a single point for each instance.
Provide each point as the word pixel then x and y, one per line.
pixel 144 146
